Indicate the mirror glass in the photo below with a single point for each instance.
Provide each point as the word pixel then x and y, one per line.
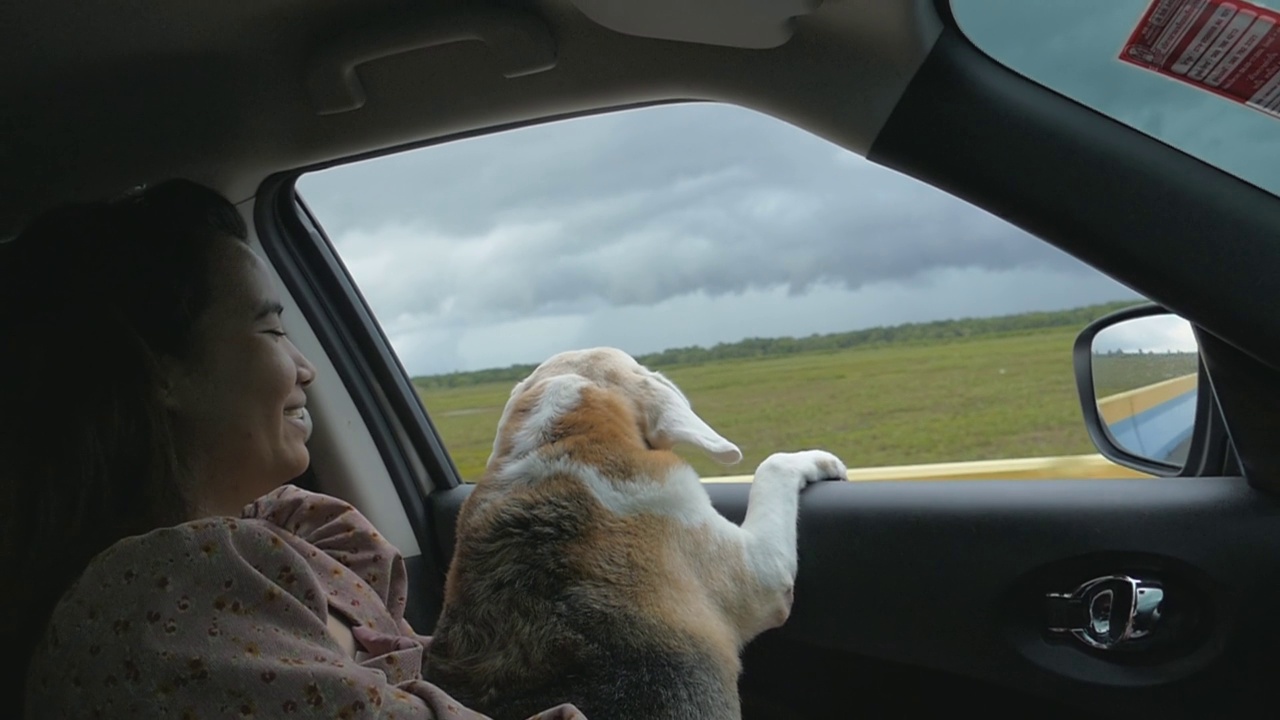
pixel 1145 376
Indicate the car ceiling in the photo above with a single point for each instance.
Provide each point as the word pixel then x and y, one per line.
pixel 104 96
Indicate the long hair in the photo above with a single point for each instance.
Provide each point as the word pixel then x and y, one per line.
pixel 92 297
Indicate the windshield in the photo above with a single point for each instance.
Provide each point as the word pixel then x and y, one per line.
pixel 1200 75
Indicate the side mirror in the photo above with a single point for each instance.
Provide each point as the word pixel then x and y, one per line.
pixel 1138 372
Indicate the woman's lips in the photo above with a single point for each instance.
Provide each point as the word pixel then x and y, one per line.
pixel 301 417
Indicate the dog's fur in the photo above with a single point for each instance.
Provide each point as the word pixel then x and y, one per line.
pixel 591 567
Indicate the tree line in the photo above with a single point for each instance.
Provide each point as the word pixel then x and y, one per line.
pixel 933 331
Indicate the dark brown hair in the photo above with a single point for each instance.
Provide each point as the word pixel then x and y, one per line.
pixel 92 296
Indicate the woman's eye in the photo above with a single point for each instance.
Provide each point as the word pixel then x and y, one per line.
pixel 277 333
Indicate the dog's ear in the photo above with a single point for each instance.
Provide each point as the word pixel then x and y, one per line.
pixel 671 420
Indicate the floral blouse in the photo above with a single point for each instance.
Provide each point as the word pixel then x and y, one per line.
pixel 228 618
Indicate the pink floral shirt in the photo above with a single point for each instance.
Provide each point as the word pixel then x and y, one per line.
pixel 227 618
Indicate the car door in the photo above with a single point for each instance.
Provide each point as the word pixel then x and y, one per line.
pixel 929 598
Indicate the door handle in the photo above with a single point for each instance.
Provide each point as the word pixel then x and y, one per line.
pixel 1111 612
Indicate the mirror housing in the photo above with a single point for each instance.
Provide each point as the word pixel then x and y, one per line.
pixel 1142 391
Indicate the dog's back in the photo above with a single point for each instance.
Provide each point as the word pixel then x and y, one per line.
pixel 528 627
pixel 590 567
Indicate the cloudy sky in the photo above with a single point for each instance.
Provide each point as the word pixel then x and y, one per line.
pixel 1158 334
pixel 664 227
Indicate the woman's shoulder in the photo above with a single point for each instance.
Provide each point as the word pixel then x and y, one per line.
pixel 287 541
pixel 207 557
pixel 274 537
pixel 310 515
pixel 338 530
pixel 174 590
pixel 216 615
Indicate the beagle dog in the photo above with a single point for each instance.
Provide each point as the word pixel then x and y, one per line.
pixel 591 567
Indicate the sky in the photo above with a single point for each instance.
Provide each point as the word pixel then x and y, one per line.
pixel 1152 334
pixel 698 224
pixel 665 227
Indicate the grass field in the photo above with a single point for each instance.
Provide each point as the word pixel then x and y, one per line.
pixel 1120 372
pixel 983 398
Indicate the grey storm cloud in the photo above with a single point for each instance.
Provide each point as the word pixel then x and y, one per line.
pixel 639 207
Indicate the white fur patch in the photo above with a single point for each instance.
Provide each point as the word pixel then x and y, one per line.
pixel 560 395
pixel 680 497
pixel 767 546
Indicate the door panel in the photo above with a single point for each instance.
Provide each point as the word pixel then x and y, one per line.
pixel 930 596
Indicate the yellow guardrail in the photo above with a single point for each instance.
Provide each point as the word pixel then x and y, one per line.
pixel 1115 408
pixel 1112 408
pixel 1066 467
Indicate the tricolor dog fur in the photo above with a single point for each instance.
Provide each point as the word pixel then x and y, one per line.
pixel 590 565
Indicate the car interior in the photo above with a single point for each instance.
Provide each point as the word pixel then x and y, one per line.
pixel 914 599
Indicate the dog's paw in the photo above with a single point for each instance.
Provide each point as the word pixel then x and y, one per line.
pixel 804 467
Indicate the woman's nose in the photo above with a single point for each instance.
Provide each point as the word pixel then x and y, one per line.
pixel 306 371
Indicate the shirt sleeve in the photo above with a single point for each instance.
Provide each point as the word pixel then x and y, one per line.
pixel 213 618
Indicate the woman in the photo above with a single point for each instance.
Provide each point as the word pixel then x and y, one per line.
pixel 154 410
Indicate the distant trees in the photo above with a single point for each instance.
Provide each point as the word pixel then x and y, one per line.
pixel 938 330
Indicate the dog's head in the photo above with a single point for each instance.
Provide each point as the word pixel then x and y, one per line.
pixel 556 388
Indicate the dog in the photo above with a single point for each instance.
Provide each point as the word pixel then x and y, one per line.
pixel 590 566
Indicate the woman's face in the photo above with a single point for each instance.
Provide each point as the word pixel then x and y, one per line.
pixel 239 398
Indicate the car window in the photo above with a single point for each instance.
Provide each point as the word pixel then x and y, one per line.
pixel 800 295
pixel 1200 75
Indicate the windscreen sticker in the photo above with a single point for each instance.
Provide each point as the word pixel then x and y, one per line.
pixel 1228 47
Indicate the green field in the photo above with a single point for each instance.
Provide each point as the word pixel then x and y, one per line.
pixel 978 398
pixel 1121 372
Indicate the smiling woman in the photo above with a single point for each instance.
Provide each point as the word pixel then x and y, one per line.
pixel 167 564
pixel 677 233
pixel 239 402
